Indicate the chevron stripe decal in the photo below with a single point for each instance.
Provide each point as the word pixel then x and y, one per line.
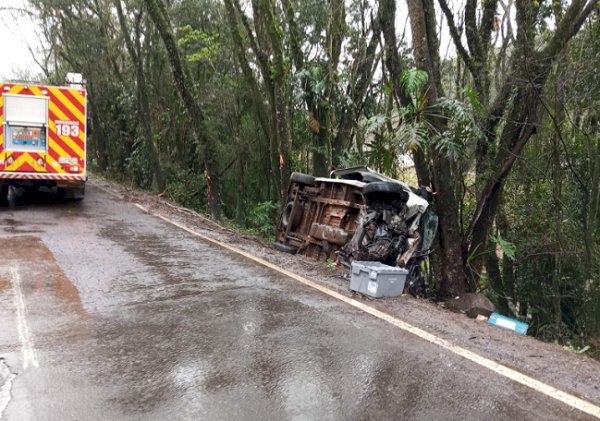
pixel 64 157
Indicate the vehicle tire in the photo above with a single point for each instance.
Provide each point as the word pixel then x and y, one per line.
pixel 291 217
pixel 304 179
pixel 384 191
pixel 285 248
pixel 415 283
pixel 4 195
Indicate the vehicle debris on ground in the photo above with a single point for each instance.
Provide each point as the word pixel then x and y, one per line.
pixel 376 279
pixel 508 323
pixel 357 214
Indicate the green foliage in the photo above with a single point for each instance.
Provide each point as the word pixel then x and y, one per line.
pixel 461 126
pixel 473 97
pixel 330 264
pixel 138 165
pixel 375 123
pixel 412 136
pixel 546 203
pixel 412 82
pixel 380 154
pixel 448 126
pixel 317 84
pixel 261 219
pixel 202 46
pixel 187 188
pixel 352 158
pixel 576 349
pixel 508 248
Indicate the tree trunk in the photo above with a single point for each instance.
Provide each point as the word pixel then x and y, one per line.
pixel 393 64
pixel 187 91
pixel 426 51
pixel 266 42
pixel 98 134
pixel 318 104
pixel 365 65
pixel 144 119
pixel 235 16
pixel 518 103
pixel 492 265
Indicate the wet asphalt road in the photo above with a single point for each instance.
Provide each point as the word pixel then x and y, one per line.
pixel 107 313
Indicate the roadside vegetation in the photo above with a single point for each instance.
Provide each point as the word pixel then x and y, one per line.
pixel 215 103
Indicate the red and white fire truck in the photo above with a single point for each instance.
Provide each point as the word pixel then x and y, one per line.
pixel 42 139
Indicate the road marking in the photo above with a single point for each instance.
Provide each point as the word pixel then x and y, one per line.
pixel 27 347
pixel 550 391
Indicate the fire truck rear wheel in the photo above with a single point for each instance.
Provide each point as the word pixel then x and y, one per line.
pixel 4 195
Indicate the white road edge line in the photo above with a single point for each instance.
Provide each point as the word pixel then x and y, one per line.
pixel 550 391
pixel 27 347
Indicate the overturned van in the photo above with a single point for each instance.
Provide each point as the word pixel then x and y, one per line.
pixel 359 214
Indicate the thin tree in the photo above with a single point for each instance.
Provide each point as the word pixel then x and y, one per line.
pixel 187 91
pixel 511 119
pixel 144 117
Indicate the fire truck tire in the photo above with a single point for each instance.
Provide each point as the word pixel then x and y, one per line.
pixel 71 193
pixel 4 195
pixel 30 191
pixel 304 179
pixel 285 248
pixel 384 191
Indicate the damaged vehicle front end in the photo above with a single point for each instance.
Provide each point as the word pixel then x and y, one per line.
pixel 359 215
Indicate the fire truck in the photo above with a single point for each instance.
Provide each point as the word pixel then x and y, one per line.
pixel 42 139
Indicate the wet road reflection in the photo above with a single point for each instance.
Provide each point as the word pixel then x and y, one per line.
pixel 35 262
pixel 135 320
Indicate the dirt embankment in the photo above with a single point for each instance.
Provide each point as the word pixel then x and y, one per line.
pixel 573 373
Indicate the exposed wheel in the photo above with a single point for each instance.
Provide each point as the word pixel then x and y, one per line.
pixel 291 216
pixel 304 179
pixel 414 282
pixel 384 191
pixel 285 248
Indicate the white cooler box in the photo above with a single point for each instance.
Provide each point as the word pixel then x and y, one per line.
pixel 376 279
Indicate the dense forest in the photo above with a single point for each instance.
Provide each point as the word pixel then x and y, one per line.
pixel 497 102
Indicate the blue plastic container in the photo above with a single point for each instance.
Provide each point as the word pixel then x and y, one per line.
pixel 508 323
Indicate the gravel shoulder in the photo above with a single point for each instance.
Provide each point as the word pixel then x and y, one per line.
pixel 573 373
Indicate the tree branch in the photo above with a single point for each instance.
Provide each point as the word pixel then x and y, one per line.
pixel 261 57
pixel 395 67
pixel 125 30
pixel 473 39
pixel 17 10
pixel 487 22
pixel 573 19
pixel 296 51
pixel 464 55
